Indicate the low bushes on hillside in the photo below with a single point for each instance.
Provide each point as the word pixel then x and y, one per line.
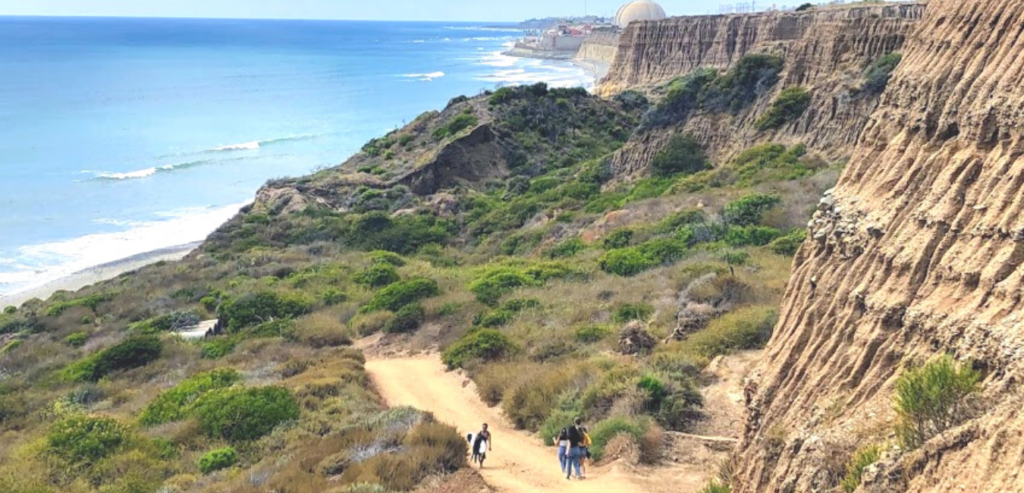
pixel 791 103
pixel 745 328
pixel 176 403
pixel 133 352
pixel 788 245
pixel 932 399
pixel 377 275
pixel 877 76
pixel 244 414
pixel 217 459
pixel 682 155
pixel 457 124
pixel 495 282
pixel 630 261
pixel 91 302
pixel 402 293
pixel 256 308
pixel 85 439
pixel 170 322
pixel 486 344
pixel 407 319
pixel 750 209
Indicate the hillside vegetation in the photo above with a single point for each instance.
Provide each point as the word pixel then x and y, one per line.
pixel 493 229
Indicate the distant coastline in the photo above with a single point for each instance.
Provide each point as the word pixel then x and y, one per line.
pixel 99 273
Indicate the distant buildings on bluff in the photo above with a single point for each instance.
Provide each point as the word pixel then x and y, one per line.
pixel 564 40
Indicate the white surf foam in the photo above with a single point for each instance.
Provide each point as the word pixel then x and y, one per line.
pixel 245 146
pixel 42 263
pixel 425 77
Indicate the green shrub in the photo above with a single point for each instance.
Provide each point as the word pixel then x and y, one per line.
pixel 632 311
pixel 402 293
pixel 217 459
pixel 858 463
pixel 567 248
pixel 171 322
pixel 504 314
pixel 745 328
pixel 386 257
pixel 218 348
pixel 11 346
pixel 620 238
pixel 378 275
pixel 10 310
pixel 133 352
pixel 876 78
pixel 76 339
pixel 749 210
pixel 751 236
pixel 486 344
pixel 529 404
pixel 496 282
pixel 771 162
pixel 751 77
pixel 788 245
pixel 932 399
pixel 661 251
pixel 791 103
pixel 240 414
pixel 253 309
pixel 604 431
pixel 176 403
pixel 455 125
pixel 333 296
pixel 625 262
pixel 449 448
pixel 91 302
pixel 592 333
pixel 86 439
pixel 407 319
pixel 683 154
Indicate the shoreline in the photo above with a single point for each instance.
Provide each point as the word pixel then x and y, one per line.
pixel 596 69
pixel 103 272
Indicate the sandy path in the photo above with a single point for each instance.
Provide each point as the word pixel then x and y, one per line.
pixel 519 462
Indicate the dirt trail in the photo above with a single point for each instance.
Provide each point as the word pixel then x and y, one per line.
pixel 519 462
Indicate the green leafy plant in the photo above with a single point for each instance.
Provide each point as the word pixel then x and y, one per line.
pixel 877 76
pixel 592 333
pixel 76 339
pixel 861 459
pixel 217 459
pixel 253 309
pixel 402 293
pixel 133 352
pixel 682 155
pixel 632 311
pixel 788 245
pixel 486 344
pixel 749 210
pixel 791 103
pixel 244 414
pixel 176 403
pixel 626 262
pixel 378 274
pixel 407 319
pixel 86 439
pixel 932 399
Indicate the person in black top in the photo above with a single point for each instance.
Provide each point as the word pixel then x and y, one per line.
pixel 482 445
pixel 574 451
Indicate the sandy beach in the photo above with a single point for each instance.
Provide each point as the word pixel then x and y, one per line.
pixel 100 273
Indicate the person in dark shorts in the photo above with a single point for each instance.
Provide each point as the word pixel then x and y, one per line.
pixel 482 445
pixel 584 451
pixel 574 450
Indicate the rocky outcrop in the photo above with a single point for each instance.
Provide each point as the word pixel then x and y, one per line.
pixel 825 50
pixel 917 252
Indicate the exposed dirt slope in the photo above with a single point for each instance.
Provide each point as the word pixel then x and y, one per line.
pixel 825 50
pixel 917 252
pixel 519 462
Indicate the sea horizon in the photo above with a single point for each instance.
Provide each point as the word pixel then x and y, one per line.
pixel 135 134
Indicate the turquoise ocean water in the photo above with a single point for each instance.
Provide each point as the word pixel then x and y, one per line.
pixel 124 136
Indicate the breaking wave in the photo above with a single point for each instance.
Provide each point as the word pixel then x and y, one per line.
pixel 425 77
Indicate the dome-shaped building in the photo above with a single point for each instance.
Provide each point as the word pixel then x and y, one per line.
pixel 639 10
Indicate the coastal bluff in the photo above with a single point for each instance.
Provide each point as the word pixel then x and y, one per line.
pixel 916 254
pixel 825 50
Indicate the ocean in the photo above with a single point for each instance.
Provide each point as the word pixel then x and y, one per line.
pixel 122 136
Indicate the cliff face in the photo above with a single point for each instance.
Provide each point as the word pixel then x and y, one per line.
pixel 825 50
pixel 916 253
pixel 600 47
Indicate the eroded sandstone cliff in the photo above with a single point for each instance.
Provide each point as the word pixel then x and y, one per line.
pixel 916 253
pixel 825 50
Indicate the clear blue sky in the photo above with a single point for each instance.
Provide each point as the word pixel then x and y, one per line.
pixel 444 10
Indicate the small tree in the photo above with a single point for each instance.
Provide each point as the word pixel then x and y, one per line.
pixel 932 399
pixel 683 154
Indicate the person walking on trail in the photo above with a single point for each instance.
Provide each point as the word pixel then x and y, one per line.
pixel 482 445
pixel 584 451
pixel 575 436
pixel 562 441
